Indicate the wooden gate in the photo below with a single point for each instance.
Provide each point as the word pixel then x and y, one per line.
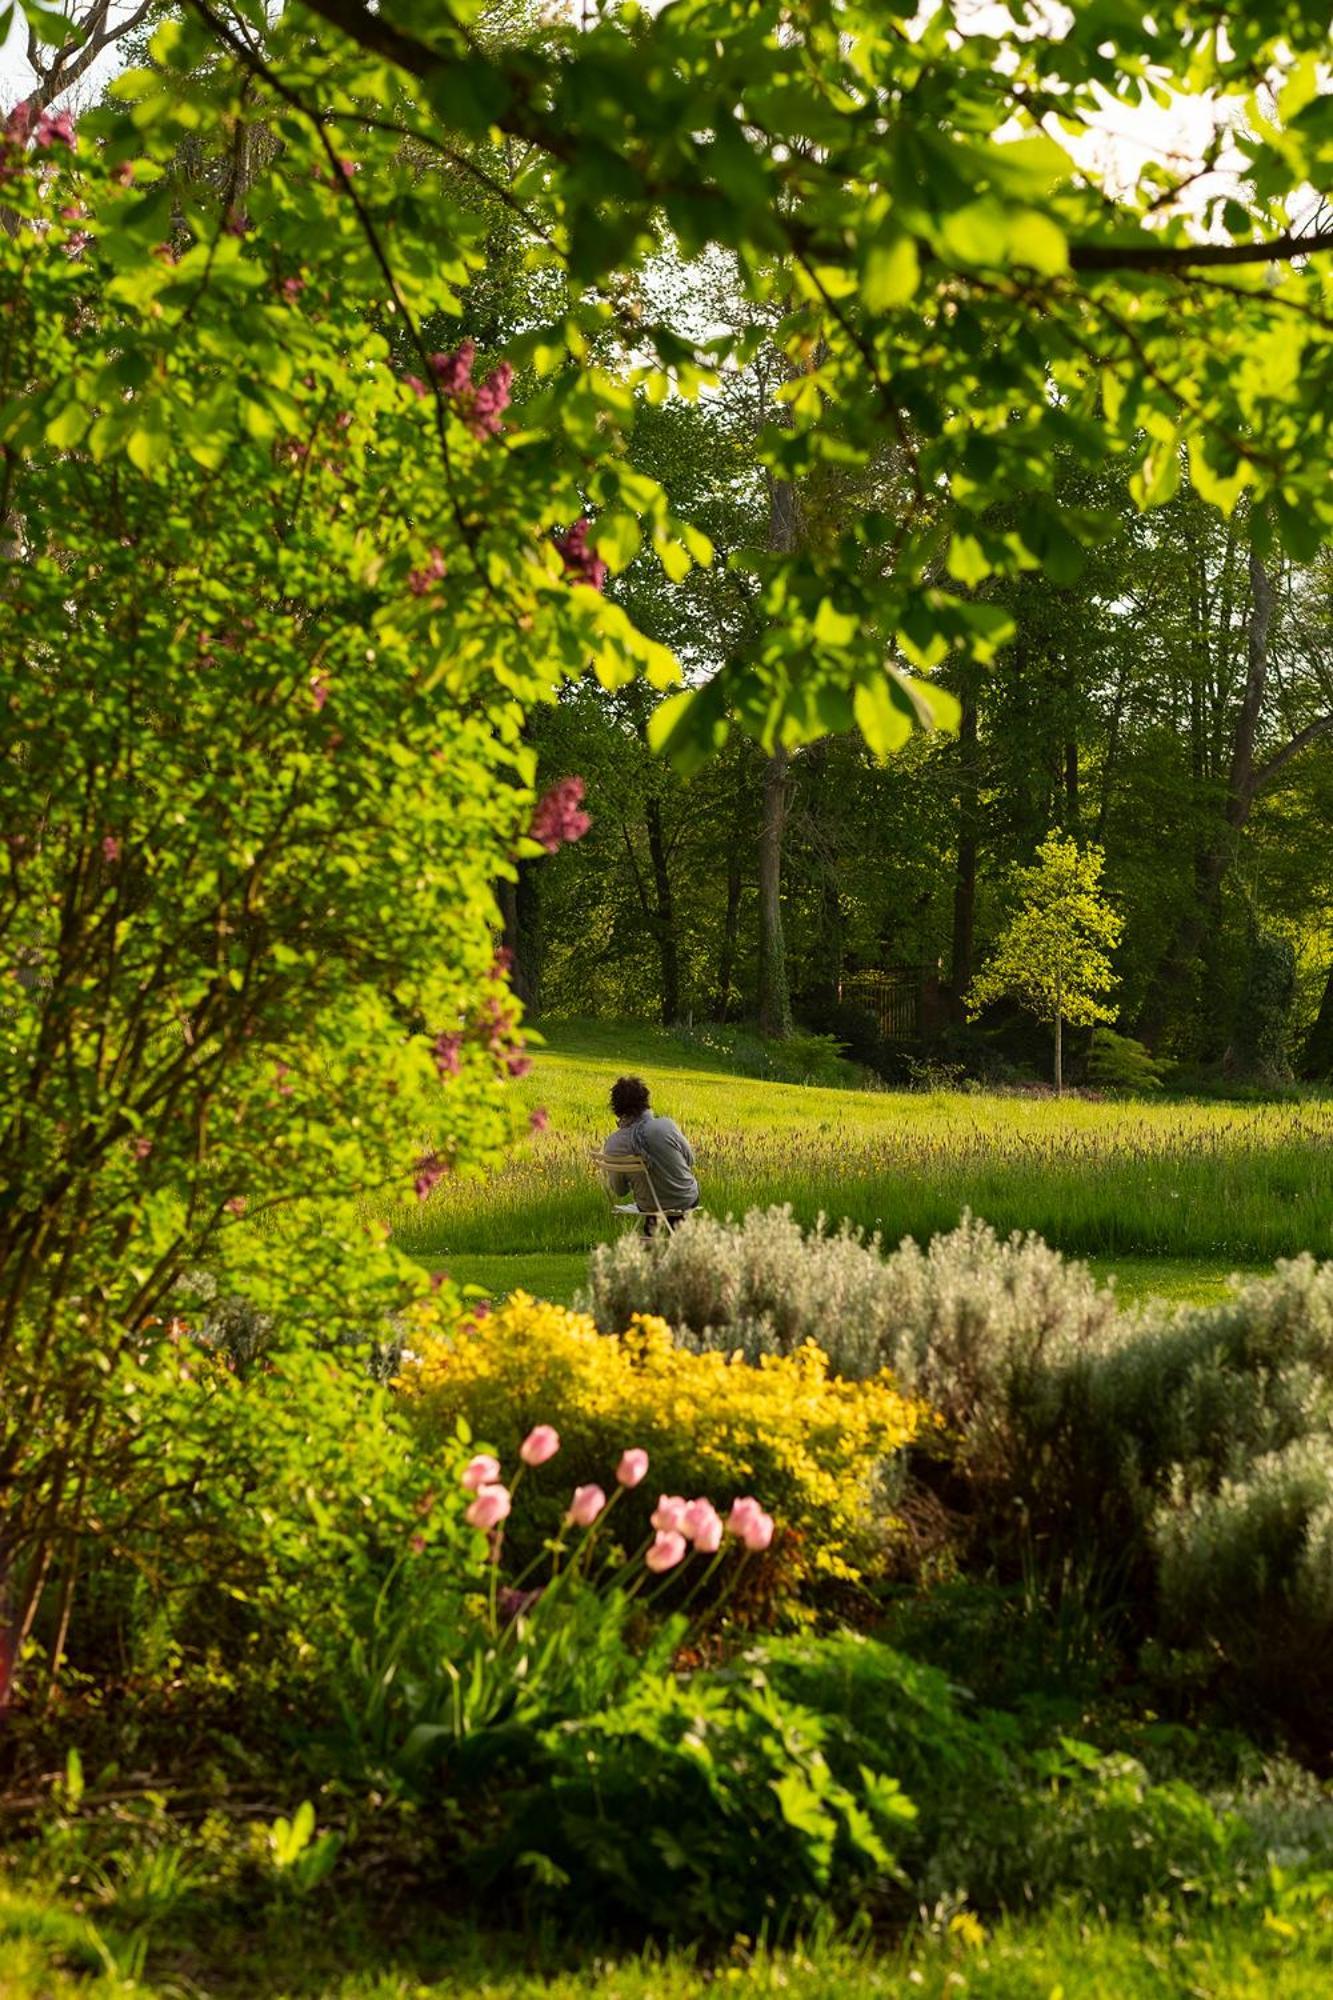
pixel 896 995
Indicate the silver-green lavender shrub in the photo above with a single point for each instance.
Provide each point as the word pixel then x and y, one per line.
pixel 955 1322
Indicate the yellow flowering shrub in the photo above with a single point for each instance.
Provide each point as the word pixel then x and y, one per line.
pixel 808 1446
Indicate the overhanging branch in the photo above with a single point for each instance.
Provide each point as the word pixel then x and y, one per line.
pixel 1278 762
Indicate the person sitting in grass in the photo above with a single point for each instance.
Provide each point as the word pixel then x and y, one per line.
pixel 661 1144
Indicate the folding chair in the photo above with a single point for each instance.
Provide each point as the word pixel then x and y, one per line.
pixel 634 1167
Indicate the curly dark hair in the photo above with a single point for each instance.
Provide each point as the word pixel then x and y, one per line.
pixel 629 1097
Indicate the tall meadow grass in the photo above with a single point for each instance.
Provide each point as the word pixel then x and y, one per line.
pixel 1189 1179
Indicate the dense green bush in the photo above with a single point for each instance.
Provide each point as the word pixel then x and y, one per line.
pixel 699 1807
pixel 1247 1569
pixel 1118 1062
pixel 260 1521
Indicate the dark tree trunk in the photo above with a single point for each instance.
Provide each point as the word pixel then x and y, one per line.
pixel 1071 787
pixel 1215 856
pixel 784 529
pixel 774 996
pixel 664 915
pixel 726 965
pixel 965 868
pixel 1317 1059
pixel 518 915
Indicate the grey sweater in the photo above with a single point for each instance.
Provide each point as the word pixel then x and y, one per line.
pixel 670 1158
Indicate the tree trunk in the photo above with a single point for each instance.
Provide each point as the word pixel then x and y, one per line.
pixel 518 916
pixel 1215 857
pixel 1317 1059
pixel 664 915
pixel 965 868
pixel 1059 1040
pixel 774 996
pixel 784 527
pixel 726 964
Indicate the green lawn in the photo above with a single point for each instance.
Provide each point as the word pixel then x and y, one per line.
pixel 558 1274
pixel 48 1953
pixel 1171 1196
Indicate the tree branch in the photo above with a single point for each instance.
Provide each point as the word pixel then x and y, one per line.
pixel 1278 762
pixel 1194 256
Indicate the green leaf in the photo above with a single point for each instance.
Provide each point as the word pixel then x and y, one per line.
pixel 891 274
pixel 51 27
pixel 688 727
pixel 148 446
pixel 882 720
pixel 833 627
pixel 966 562
pixel 67 429
pixel 1037 242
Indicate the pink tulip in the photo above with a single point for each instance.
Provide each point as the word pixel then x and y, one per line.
pixel 758 1531
pixel 483 1470
pixel 586 1505
pixel 667 1550
pixel 703 1526
pixel 748 1520
pixel 490 1507
pixel 539 1445
pixel 632 1467
pixel 668 1516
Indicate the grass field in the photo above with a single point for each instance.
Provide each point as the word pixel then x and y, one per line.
pixel 1172 1197
pixel 47 1952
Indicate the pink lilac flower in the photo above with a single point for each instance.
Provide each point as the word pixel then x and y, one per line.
pixel 319 691
pixel 430 1171
pixel 490 401
pixel 124 174
pixel 503 962
pixel 453 371
pixel 141 1147
pixel 416 385
pixel 517 1063
pixel 581 560
pixel 632 1467
pixel 76 243
pixel 235 1204
pixel 18 124
pixel 417 1544
pixel 559 817
pixel 292 288
pixel 540 1444
pixel 483 1470
pixel 432 570
pixel 110 848
pixel 53 125
pixel 281 1072
pixel 668 1516
pixel 539 1119
pixel 702 1525
pixel 586 1505
pixel 667 1550
pixel 438 1279
pixel 447 1050
pixel 490 1507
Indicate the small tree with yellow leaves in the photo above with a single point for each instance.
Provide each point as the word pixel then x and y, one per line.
pixel 1052 956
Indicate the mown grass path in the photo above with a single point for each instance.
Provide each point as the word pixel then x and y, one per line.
pixel 1193 1190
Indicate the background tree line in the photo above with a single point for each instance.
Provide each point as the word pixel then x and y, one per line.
pixel 1167 695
